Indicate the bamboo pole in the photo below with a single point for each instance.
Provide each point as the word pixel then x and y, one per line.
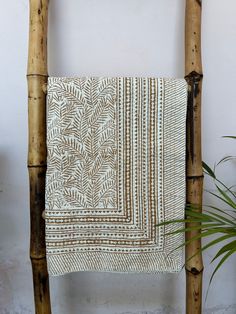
pixel 37 78
pixel 194 75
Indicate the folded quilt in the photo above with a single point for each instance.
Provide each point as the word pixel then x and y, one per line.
pixel 116 169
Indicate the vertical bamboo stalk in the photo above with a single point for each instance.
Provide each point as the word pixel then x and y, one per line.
pixel 37 77
pixel 193 72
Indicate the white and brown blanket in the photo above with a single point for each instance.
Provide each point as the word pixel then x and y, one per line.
pixel 116 169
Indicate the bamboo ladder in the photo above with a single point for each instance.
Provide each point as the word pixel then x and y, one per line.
pixel 37 75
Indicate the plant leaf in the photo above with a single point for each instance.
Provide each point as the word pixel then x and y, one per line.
pixel 222 218
pixel 164 223
pixel 226 197
pixel 225 212
pixel 229 136
pixel 211 243
pixel 225 248
pixel 227 255
pixel 197 237
pixel 202 216
pixel 222 199
pixel 199 227
pixel 208 170
pixel 225 159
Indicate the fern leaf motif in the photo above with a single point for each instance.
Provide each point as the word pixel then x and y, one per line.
pixel 82 142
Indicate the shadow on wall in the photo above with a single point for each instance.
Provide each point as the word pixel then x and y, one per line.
pixel 117 291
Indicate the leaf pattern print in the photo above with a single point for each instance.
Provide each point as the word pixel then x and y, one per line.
pixel 81 143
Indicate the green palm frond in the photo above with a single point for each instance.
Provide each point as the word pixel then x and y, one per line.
pixel 212 221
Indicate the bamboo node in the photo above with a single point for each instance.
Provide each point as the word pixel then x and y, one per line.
pixel 194 271
pixel 193 77
pixel 36 75
pixel 195 177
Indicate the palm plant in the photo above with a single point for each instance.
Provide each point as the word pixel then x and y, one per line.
pixel 217 221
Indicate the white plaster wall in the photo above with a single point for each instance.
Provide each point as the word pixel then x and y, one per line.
pixel 110 37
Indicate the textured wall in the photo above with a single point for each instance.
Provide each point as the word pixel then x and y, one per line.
pixel 110 37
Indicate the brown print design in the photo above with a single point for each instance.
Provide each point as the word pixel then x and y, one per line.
pixel 82 146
